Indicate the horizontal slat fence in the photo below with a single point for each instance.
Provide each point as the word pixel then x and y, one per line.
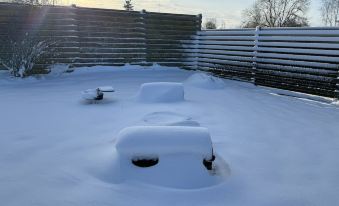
pixel 297 59
pixel 168 36
pixel 88 37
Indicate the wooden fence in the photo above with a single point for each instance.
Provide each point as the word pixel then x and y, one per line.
pixel 87 37
pixel 297 59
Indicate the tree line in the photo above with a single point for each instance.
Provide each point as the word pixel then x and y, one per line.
pixel 284 13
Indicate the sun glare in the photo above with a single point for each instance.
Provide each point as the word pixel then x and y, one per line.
pixel 109 4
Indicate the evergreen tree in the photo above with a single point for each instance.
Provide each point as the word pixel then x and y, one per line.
pixel 210 24
pixel 128 5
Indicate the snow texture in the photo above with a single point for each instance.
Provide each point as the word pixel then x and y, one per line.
pixel 161 92
pixel 205 81
pixel 106 89
pixel 165 118
pixel 59 69
pixel 160 140
pixel 56 150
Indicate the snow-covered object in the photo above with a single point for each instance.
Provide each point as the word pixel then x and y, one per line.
pixel 161 92
pixel 92 94
pixel 160 140
pixel 282 151
pixel 205 81
pixel 96 94
pixel 176 155
pixel 106 89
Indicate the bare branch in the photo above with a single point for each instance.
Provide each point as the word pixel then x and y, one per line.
pixel 330 12
pixel 277 13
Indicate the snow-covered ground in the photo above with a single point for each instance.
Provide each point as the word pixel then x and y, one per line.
pixel 56 149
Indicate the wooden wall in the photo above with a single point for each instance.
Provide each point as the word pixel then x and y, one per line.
pixel 88 37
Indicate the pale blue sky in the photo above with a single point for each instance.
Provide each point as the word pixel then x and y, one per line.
pixel 227 11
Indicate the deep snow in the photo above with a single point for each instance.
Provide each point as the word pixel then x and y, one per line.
pixel 55 149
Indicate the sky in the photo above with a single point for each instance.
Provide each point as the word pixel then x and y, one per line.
pixel 227 12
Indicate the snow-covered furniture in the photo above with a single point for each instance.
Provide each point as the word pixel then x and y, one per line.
pixel 93 94
pixel 106 89
pixel 96 94
pixel 161 92
pixel 173 156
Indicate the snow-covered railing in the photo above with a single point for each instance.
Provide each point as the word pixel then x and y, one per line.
pixel 88 37
pixel 298 59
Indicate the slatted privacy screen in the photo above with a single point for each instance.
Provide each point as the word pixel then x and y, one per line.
pixel 88 37
pixel 298 59
pixel 228 51
pixel 168 36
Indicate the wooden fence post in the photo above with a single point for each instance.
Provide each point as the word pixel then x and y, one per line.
pixel 255 52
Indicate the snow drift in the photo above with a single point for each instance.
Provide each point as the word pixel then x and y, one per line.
pixel 205 81
pixel 161 92
pixel 282 150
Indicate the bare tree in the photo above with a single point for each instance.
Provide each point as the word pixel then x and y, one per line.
pixel 20 54
pixel 210 23
pixel 330 12
pixel 223 25
pixel 277 13
pixel 128 5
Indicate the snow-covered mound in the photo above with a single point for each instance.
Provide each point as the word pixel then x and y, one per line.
pixel 205 81
pixel 173 156
pixel 161 92
pixel 58 69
